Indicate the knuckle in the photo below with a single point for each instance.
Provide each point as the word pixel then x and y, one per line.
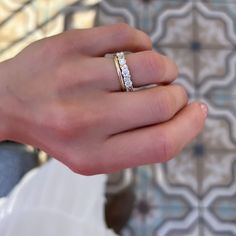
pixel 63 77
pixel 68 42
pixel 162 149
pixel 124 33
pixel 121 27
pixel 167 148
pixel 154 64
pixel 179 88
pixel 62 124
pixel 65 41
pixel 41 48
pixel 70 122
pixel 175 69
pixel 163 105
pixel 146 41
pixel 52 46
pixel 61 72
pixel 65 122
pixel 68 75
pixel 182 92
pixel 131 36
pixel 60 44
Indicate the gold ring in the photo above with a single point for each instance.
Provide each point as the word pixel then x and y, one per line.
pixel 115 59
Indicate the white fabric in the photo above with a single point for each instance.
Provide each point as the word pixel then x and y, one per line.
pixel 52 200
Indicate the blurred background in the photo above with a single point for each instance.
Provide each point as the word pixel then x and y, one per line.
pixel 194 194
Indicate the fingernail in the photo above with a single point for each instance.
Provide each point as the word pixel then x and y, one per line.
pixel 204 109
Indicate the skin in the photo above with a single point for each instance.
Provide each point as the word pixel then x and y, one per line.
pixel 61 95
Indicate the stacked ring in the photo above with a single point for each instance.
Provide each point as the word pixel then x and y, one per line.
pixel 123 72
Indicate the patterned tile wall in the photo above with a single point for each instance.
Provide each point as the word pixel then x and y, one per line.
pixel 194 194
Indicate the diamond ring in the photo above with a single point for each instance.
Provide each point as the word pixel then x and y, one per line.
pixel 123 72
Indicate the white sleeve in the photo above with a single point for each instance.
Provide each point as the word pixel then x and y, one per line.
pixel 52 200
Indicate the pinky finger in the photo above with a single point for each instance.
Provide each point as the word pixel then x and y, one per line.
pixel 154 144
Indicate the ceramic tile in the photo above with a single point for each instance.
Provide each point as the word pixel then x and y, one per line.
pixel 200 37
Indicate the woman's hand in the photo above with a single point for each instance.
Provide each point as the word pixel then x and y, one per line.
pixel 62 95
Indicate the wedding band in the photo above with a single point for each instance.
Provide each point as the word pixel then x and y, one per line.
pixel 115 59
pixel 123 72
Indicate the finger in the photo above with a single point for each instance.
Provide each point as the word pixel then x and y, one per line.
pixel 146 68
pixel 101 40
pixel 144 108
pixel 153 144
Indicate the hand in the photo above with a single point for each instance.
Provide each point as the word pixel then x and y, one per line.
pixel 62 95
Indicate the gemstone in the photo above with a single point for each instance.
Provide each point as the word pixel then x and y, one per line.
pixel 120 55
pixel 124 67
pixel 122 61
pixel 127 78
pixel 125 72
pixel 128 84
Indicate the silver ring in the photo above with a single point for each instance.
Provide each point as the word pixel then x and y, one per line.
pixel 126 76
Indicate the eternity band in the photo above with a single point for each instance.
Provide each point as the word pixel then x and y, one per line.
pixel 123 72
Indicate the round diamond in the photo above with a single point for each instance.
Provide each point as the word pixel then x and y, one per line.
pixel 128 83
pixel 122 61
pixel 126 73
pixel 120 54
pixel 124 67
pixel 127 78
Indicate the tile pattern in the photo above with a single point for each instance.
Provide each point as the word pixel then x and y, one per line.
pixel 195 193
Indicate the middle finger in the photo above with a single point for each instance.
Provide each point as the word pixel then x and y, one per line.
pixel 147 67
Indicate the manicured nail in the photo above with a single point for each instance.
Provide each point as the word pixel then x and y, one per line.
pixel 204 109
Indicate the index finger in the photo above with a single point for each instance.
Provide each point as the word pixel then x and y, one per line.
pixel 101 40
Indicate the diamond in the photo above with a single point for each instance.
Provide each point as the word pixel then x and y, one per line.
pixel 128 84
pixel 120 55
pixel 127 79
pixel 125 72
pixel 122 61
pixel 127 76
pixel 124 67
